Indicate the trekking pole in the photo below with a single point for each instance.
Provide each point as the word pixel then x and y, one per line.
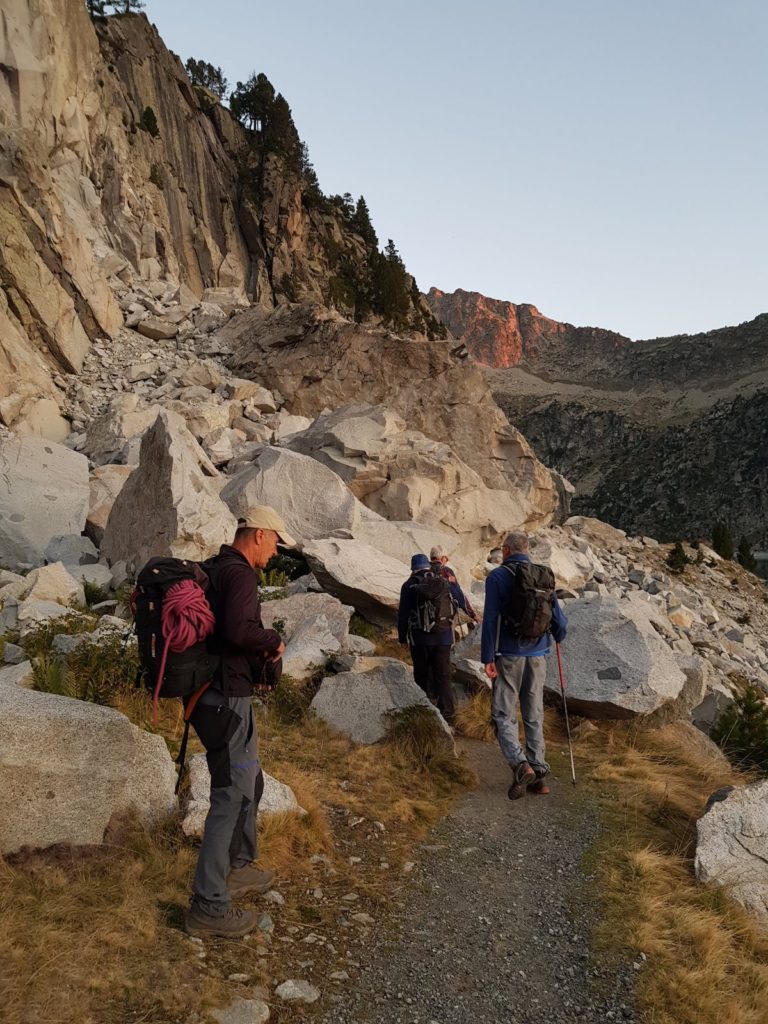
pixel 565 711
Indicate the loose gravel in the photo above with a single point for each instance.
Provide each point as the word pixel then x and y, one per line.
pixel 496 923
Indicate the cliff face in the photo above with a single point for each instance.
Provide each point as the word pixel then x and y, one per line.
pixel 501 334
pixel 113 168
pixel 662 437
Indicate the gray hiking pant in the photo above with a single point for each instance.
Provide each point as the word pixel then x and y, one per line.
pixel 520 681
pixel 226 730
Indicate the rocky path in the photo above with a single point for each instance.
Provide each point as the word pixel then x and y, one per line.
pixel 495 924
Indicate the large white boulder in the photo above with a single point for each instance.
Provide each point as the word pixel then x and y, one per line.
pixel 616 664
pixel 312 500
pixel 277 797
pixel 43 493
pixel 595 532
pixel 291 612
pixel 357 702
pixel 168 506
pixel 53 583
pixel 125 418
pixel 359 575
pixel 66 767
pixel 732 846
pixel 571 560
pixel 105 484
pixel 405 476
pixel 309 648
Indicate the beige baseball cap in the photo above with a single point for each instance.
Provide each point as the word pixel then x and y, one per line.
pixel 263 517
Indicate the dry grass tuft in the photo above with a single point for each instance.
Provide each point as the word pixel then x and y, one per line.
pixel 707 958
pixel 473 717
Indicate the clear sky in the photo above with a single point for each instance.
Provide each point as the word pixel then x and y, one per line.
pixel 605 160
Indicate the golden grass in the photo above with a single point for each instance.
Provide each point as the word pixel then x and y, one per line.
pixel 93 936
pixel 707 960
pixel 473 717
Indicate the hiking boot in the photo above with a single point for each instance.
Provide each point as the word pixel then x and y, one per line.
pixel 539 787
pixel 249 879
pixel 233 923
pixel 524 775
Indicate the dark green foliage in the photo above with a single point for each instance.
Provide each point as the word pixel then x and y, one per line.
pixel 391 287
pixel 722 541
pixel 358 626
pixel 205 75
pixel 157 175
pixel 292 566
pixel 93 593
pixel 148 122
pixel 361 223
pixel 677 558
pixel 40 639
pixel 742 731
pixel 97 8
pixel 96 672
pixel 101 8
pixel 745 556
pixel 291 699
pixel 251 102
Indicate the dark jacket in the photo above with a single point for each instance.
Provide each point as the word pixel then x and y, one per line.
pixel 498 587
pixel 407 608
pixel 239 637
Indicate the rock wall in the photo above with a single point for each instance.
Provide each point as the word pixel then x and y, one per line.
pixel 115 169
pixel 662 437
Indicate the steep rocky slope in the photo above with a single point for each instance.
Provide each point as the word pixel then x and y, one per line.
pixel 661 437
pixel 115 170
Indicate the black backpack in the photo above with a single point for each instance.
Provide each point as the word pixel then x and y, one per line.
pixel 434 604
pixel 527 614
pixel 183 671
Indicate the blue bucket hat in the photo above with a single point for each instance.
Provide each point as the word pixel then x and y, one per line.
pixel 419 562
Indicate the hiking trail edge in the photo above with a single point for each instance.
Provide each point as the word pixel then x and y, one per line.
pixel 494 925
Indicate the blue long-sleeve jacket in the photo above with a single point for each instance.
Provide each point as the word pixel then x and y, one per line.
pixel 498 587
pixel 407 607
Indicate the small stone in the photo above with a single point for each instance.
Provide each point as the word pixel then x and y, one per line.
pixel 238 977
pixel 363 918
pixel 339 976
pixel 274 897
pixel 265 924
pixel 293 991
pixel 351 897
pixel 242 1011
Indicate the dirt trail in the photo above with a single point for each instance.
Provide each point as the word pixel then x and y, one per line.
pixel 495 923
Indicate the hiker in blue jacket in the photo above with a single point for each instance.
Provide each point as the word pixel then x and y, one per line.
pixel 517 669
pixel 430 650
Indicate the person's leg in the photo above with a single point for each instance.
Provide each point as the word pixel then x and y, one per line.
pixel 504 700
pixel 224 727
pixel 532 707
pixel 421 673
pixel 440 659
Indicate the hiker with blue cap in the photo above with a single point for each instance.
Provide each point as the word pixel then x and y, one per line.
pixel 428 603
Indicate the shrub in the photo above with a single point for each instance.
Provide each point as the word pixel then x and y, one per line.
pixel 358 626
pixel 745 556
pixel 677 558
pixel 290 701
pixel 148 122
pixel 93 593
pixel 99 672
pixel 157 175
pixel 742 730
pixel 722 541
pixel 39 640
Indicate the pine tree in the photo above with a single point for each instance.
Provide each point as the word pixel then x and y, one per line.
pixel 677 558
pixel 361 223
pixel 205 75
pixel 745 556
pixel 251 102
pixel 97 8
pixel 742 730
pixel 722 541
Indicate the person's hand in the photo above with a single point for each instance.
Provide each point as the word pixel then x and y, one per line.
pixel 490 670
pixel 277 654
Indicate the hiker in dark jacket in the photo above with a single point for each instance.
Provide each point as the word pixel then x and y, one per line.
pixel 438 562
pixel 223 720
pixel 430 651
pixel 517 671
